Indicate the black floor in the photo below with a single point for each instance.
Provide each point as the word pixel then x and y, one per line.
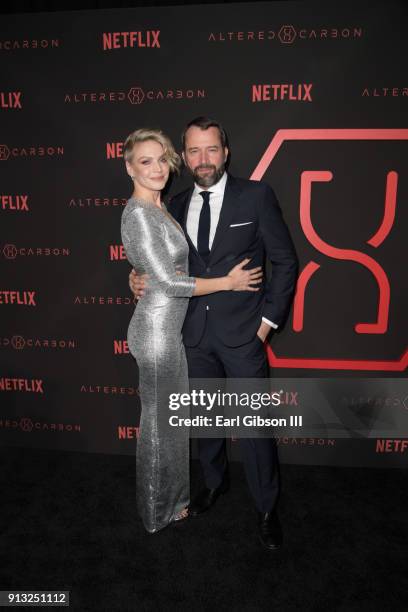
pixel 69 522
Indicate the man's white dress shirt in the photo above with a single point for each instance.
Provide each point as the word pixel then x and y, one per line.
pixel 216 198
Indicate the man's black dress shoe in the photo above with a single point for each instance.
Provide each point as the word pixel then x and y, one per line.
pixel 269 530
pixel 206 498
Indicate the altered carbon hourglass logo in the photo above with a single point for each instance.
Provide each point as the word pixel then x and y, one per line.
pixel 377 326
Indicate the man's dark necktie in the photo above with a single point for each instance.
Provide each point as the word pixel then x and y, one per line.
pixel 204 223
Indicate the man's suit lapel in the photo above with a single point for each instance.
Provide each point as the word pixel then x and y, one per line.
pixel 228 209
pixel 186 206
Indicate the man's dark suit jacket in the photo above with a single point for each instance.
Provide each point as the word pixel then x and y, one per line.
pixel 259 232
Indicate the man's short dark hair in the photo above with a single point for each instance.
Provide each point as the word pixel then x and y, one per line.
pixel 204 123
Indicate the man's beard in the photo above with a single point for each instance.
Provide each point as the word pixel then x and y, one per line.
pixel 209 179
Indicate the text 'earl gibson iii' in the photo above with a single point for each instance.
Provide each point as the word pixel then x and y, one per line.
pixel 246 421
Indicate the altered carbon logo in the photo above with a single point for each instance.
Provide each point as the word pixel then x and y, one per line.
pixel 7 152
pixel 110 390
pixel 29 425
pixel 135 95
pixel 11 251
pixel 385 92
pixel 302 442
pixel 43 43
pixel 306 442
pixel 377 334
pixel 95 202
pixel 287 34
pixel 103 300
pixel 20 343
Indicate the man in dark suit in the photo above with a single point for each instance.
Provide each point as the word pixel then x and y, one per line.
pixel 226 220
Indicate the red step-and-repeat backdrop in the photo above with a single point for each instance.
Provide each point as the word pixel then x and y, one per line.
pixel 314 99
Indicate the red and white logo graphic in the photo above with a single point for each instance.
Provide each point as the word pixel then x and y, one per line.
pixel 380 324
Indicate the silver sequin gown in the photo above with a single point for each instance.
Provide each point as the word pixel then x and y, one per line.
pixel 155 245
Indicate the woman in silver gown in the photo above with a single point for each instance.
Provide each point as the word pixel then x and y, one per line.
pixel 155 245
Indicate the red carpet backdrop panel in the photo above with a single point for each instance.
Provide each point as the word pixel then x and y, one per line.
pixel 314 99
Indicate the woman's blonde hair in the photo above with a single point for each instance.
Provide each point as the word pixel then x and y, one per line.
pixel 144 134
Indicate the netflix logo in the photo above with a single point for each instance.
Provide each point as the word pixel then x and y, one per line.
pixel 25 385
pixel 10 99
pixel 125 40
pixel 128 432
pixel 117 252
pixel 391 446
pixel 19 298
pixel 301 92
pixel 114 150
pixel 120 347
pixel 14 202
